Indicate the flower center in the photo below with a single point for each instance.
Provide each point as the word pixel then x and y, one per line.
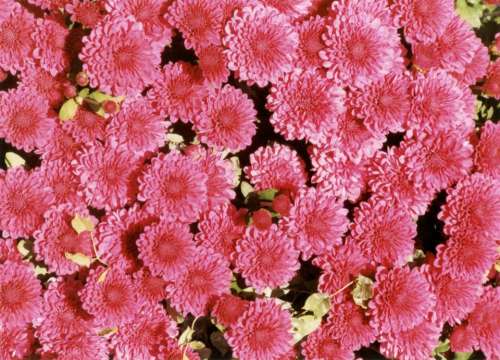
pixel 10 294
pixel 167 249
pixel 358 51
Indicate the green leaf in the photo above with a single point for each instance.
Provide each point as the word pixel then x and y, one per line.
pixel 68 110
pixel 84 92
pixel 246 188
pixel 267 195
pixel 196 345
pixel 13 160
pixel 23 247
pixel 462 355
pixel 318 303
pixel 82 224
pixel 362 291
pixel 470 13
pixel 304 325
pixel 40 270
pixel 102 277
pixel 186 336
pixel 442 347
pixel 99 96
pixel 79 258
pixel 235 163
pixel 108 331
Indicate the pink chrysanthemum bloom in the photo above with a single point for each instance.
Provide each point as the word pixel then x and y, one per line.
pixel 316 222
pixel 389 178
pixel 439 157
pixel 473 206
pixel 423 20
pixel 384 232
pixel 484 322
pixel 50 39
pixel 451 51
pixel 107 175
pixel 463 339
pixel 49 4
pixel 118 56
pixel 220 229
pixel 402 299
pixel 23 200
pixel 375 9
pixel 58 175
pixel 360 50
pixel 305 106
pixel 117 234
pixel 20 292
pixel 476 68
pixel 150 288
pixel 263 331
pixel 6 8
pixel 310 42
pixel 62 146
pixel 86 126
pixel 213 65
pixel 166 248
pixel 349 326
pixel 48 86
pixel 227 119
pixel 199 285
pixel 293 8
pixel 171 350
pixel 177 91
pixel 82 346
pixel 173 186
pixel 416 343
pixel 261 44
pixel 141 337
pixel 228 309
pixel 16 44
pixel 276 166
pixel 110 295
pixel 334 171
pixel 340 266
pixel 266 259
pixel 16 342
pixel 488 149
pixel 491 85
pixel 321 345
pixel 89 13
pixel 8 250
pixel 199 21
pixel 137 126
pixel 455 297
pixel 150 13
pixel 25 121
pixel 384 105
pixel 56 238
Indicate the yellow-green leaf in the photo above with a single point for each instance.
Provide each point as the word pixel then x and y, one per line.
pixel 12 160
pixel 40 270
pixel 186 336
pixel 99 96
pixel 470 12
pixel 196 345
pixel 462 355
pixel 102 277
pixel 318 303
pixel 68 110
pixel 79 258
pixel 235 163
pixel 175 138
pixel 81 224
pixel 246 188
pixel 22 247
pixel 84 92
pixel 362 291
pixel 108 331
pixel 267 195
pixel 304 325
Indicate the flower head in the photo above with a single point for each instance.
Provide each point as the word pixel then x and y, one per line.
pixel 16 342
pixel 213 65
pixel 48 86
pixel 487 150
pixel 50 38
pixel 228 309
pixel 86 127
pixel 310 42
pixel 87 12
pixel 150 288
pixel 59 176
pixel 321 345
pixel 490 86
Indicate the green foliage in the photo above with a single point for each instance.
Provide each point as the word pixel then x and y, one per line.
pixel 362 291
pixel 304 325
pixel 471 11
pixel 79 258
pixel 268 194
pixel 462 355
pixel 440 349
pixel 12 160
pixel 68 110
pixel 318 304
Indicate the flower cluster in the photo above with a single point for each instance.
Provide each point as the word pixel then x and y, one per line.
pixel 180 173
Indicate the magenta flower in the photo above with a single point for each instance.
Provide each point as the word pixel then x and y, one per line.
pixel 228 309
pixel 50 38
pixel 485 157
pixel 321 345
pixel 87 12
pixel 310 42
pixel 213 65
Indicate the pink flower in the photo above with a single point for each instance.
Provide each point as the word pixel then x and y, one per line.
pixel 50 38
pixel 266 259
pixel 200 283
pixel 374 9
pixel 487 150
pixel 150 288
pixel 402 299
pixel 384 105
pixel 228 309
pixel 360 50
pixel 16 44
pixel 49 4
pixel 292 8
pixel 220 229
pixel 16 342
pixel 137 126
pixel 385 233
pixel 173 186
pixel 491 85
pixel 305 106
pixel 48 86
pixel 316 222
pixel 310 42
pixel 166 248
pixel 451 51
pixel 8 251
pixel 150 13
pixel 276 166
pixel 170 349
pixel 213 65
pixel 6 8
pixel 260 44
pixel 118 57
pixel 23 200
pixel 227 119
pixel 25 121
pixel 58 175
pixel 476 68
pixel 463 339
pixel 416 343
pixel 117 234
pixel 61 146
pixel 86 126
pixel 199 21
pixel 423 20
pixel 56 238
pixel 141 337
pixel 107 175
pixel 263 331
pixel 177 91
pixel 473 207
pixel 20 292
pixel 109 295
pixel 321 345
pixel 87 12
